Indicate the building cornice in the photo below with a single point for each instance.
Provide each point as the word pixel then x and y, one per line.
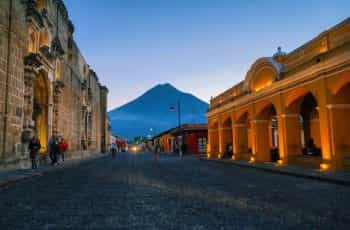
pixel 324 69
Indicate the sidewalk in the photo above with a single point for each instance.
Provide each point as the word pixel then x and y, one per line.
pixel 10 177
pixel 339 177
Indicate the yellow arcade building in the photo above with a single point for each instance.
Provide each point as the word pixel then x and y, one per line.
pixel 291 108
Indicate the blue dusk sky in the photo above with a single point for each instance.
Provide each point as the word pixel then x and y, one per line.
pixel 199 46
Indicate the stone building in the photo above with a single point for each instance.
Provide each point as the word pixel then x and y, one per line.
pixel 46 85
pixel 291 108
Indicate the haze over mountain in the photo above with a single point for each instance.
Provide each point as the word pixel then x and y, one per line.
pixel 150 113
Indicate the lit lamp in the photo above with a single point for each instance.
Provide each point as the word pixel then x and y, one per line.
pixel 172 109
pixel 252 159
pixel 324 166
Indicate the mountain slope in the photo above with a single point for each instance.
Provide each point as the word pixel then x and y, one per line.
pixel 149 114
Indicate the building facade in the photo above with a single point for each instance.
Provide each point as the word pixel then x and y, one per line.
pixel 46 85
pixel 290 108
pixel 188 138
pixel 192 138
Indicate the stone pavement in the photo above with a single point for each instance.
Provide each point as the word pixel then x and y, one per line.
pixel 132 191
pixel 9 177
pixel 337 177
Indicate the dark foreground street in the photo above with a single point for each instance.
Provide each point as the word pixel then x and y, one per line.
pixel 133 192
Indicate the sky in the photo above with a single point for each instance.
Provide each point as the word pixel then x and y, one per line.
pixel 200 46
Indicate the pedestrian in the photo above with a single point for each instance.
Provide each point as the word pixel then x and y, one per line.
pixel 155 151
pixel 56 151
pixel 113 149
pixel 63 146
pixel 34 147
pixel 52 141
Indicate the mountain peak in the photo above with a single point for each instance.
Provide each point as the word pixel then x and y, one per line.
pixel 165 86
pixel 151 110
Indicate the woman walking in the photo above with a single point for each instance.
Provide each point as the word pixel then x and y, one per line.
pixel 34 147
pixel 63 145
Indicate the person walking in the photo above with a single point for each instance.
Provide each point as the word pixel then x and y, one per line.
pixel 155 151
pixel 63 146
pixel 56 151
pixel 52 141
pixel 113 149
pixel 34 147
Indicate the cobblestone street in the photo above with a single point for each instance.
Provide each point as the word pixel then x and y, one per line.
pixel 133 192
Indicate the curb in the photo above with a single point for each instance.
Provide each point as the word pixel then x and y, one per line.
pixel 11 182
pixel 338 181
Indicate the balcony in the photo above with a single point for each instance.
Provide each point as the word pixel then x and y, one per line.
pixel 32 60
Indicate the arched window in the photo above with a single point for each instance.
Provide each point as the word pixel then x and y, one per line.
pixel 262 79
pixel 58 70
pixel 44 38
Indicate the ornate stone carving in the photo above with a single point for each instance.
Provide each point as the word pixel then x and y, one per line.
pixel 32 60
pixel 45 51
pixel 33 14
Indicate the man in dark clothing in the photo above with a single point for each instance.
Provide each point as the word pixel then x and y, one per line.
pixel 34 147
pixel 54 149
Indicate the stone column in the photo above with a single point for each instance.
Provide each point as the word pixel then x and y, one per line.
pixel 28 125
pixel 339 133
pixel 261 147
pixel 240 138
pixel 29 78
pixel 213 142
pixel 210 142
pixel 221 140
pixel 289 136
pixel 57 94
pixel 324 119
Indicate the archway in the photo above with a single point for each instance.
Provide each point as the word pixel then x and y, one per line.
pixel 227 138
pixel 303 130
pixel 40 110
pixel 340 126
pixel 266 131
pixel 309 118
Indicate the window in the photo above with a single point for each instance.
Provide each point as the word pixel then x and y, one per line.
pixel 44 38
pixel 32 42
pixel 58 70
pixel 202 145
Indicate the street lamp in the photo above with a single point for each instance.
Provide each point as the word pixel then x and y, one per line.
pixel 172 109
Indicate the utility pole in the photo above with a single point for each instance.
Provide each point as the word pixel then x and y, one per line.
pixel 179 113
pixel 172 109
